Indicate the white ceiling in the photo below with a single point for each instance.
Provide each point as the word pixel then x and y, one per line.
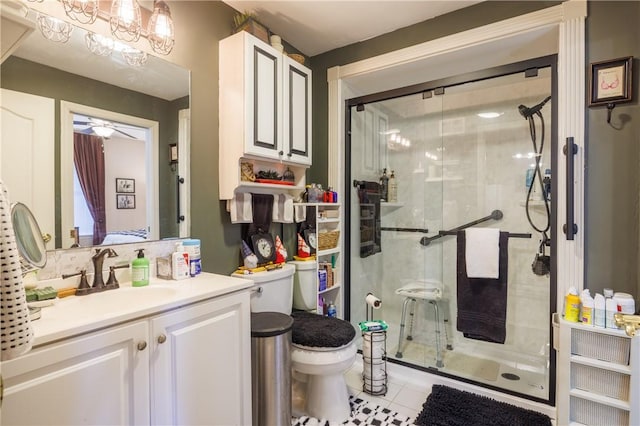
pixel 317 26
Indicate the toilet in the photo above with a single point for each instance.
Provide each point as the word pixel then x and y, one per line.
pixel 323 348
pixel 304 285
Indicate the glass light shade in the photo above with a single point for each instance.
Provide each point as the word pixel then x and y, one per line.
pixel 103 131
pixel 160 28
pixel 134 57
pixel 126 20
pixel 83 11
pixel 99 44
pixel 54 29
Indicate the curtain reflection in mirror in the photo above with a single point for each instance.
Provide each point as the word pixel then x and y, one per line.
pixel 88 157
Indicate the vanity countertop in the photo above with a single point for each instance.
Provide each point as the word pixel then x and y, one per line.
pixel 75 315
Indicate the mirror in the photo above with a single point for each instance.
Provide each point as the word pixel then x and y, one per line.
pixel 46 87
pixel 29 238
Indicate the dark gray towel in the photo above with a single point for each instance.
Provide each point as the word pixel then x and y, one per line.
pixel 482 302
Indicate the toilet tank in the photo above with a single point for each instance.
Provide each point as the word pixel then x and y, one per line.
pixel 305 285
pixel 273 289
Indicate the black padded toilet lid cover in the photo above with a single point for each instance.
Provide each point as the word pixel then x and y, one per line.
pixel 318 331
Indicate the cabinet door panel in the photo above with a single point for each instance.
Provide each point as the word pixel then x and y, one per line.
pixel 201 374
pixel 98 379
pixel 264 81
pixel 297 112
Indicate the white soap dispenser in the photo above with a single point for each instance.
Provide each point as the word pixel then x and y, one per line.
pixel 179 263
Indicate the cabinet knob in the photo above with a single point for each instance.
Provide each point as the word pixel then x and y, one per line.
pixel 142 345
pixel 281 153
pixel 162 338
pixel 289 154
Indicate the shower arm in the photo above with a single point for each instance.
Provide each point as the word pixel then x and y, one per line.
pixel 495 215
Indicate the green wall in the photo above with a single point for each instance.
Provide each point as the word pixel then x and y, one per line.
pixel 613 156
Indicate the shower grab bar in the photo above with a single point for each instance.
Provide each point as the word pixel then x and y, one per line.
pixel 424 231
pixel 570 150
pixel 511 235
pixel 495 215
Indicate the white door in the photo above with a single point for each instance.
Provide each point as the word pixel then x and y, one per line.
pixel 27 154
pixel 201 364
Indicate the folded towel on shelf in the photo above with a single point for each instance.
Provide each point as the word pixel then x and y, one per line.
pixel 282 208
pixel 300 212
pixel 240 208
pixel 482 255
pixel 482 302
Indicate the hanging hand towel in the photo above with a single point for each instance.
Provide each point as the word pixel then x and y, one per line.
pixel 482 254
pixel 240 208
pixel 482 302
pixel 16 332
pixel 282 208
pixel 300 212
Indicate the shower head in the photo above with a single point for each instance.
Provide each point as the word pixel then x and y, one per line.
pixel 528 112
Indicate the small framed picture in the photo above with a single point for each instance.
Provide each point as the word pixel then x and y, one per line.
pixel 125 185
pixel 124 201
pixel 610 81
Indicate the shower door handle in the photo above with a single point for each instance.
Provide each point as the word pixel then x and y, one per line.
pixel 179 215
pixel 570 150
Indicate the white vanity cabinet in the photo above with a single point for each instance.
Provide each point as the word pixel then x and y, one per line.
pixel 185 366
pixel 265 110
pixel 200 366
pixel 99 378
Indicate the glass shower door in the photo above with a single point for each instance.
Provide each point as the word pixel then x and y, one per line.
pixel 464 157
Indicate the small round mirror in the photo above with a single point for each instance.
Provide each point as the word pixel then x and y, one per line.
pixel 28 236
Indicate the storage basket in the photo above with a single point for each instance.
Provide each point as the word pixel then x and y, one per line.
pixel 601 346
pixel 328 240
pixel 602 382
pixel 255 28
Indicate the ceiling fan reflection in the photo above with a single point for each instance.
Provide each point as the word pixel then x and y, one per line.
pixel 100 127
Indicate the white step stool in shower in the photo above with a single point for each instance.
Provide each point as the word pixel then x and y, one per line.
pixel 427 290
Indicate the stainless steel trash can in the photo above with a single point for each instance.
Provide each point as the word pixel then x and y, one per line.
pixel 271 368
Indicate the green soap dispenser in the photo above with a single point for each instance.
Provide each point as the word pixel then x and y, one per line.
pixel 140 270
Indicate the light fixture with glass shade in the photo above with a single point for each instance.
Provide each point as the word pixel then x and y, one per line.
pixel 54 29
pixel 99 44
pixel 134 57
pixel 160 28
pixel 126 20
pixel 83 11
pixel 103 131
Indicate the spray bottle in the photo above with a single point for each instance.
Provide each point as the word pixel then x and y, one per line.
pixel 586 311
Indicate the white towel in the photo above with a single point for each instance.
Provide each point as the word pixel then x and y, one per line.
pixel 482 255
pixel 16 332
pixel 240 208
pixel 282 208
pixel 300 212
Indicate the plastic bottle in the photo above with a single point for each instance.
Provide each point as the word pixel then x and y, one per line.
pixel 611 308
pixel 331 310
pixel 384 185
pixel 192 247
pixel 179 263
pixel 586 310
pixel 572 305
pixel 599 305
pixel 393 188
pixel 140 270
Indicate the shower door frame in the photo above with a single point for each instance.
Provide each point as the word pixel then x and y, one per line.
pixel 550 61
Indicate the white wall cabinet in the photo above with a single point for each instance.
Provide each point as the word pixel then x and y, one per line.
pixel 265 110
pixel 599 378
pixel 328 220
pixel 188 366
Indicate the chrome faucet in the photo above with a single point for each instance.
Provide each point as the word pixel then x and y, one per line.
pixel 98 261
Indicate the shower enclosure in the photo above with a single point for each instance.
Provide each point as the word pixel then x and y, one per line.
pixel 462 154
